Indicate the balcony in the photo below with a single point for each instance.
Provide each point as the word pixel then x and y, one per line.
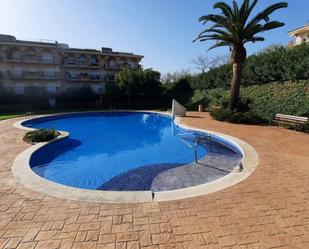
pixel 112 67
pixel 33 75
pixel 84 77
pixel 32 60
pixel 121 66
pixel 74 63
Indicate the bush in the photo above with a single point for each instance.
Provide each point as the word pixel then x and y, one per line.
pixel 139 84
pixel 267 100
pixel 40 135
pixel 8 97
pixel 247 117
pixel 81 95
pixel 179 90
pixel 270 99
pixel 36 97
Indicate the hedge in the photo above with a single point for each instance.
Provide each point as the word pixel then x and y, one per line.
pixel 267 100
pixel 282 64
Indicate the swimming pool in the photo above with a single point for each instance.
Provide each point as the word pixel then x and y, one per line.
pixel 122 150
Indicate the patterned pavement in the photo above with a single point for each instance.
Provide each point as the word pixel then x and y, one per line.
pixel 270 209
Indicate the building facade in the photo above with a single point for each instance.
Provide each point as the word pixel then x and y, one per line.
pixel 55 67
pixel 299 35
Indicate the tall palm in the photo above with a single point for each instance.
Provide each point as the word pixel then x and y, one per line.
pixel 233 28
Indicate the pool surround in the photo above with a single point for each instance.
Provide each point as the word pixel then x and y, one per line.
pixel 22 171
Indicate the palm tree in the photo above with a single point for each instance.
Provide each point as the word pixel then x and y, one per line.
pixel 233 28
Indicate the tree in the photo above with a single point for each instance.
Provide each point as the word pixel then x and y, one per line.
pixel 233 28
pixel 204 63
pixel 150 84
pixel 271 48
pixel 129 81
pixel 139 83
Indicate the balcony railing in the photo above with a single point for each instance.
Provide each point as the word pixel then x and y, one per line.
pixel 74 63
pixel 33 75
pixel 84 77
pixel 121 66
pixel 37 60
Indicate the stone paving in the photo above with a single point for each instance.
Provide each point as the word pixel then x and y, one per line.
pixel 270 209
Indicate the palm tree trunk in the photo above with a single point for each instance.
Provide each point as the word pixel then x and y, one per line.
pixel 235 85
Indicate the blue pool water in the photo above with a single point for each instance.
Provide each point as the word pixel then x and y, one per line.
pixel 104 150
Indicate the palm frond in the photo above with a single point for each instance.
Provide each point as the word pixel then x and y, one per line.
pixel 219 44
pixel 224 7
pixel 232 26
pixel 235 8
pixel 264 15
pixel 272 25
pixel 255 39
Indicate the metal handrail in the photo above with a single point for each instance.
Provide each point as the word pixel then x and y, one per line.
pixel 199 139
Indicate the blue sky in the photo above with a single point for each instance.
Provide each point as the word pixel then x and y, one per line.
pixel 161 30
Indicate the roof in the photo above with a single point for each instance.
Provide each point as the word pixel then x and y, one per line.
pixel 11 40
pixel 300 30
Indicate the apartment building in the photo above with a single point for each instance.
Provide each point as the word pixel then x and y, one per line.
pixel 299 35
pixel 54 66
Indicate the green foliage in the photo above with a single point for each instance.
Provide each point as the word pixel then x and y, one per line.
pixel 234 25
pixel 139 84
pixel 197 99
pixel 40 135
pixel 180 90
pixel 281 64
pixel 247 117
pixel 129 81
pixel 150 84
pixel 267 100
pixel 77 94
pixel 270 99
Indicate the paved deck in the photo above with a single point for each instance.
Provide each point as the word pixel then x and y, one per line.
pixel 270 209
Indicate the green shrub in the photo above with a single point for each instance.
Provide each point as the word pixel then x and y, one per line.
pixel 40 135
pixel 77 94
pixel 270 99
pixel 267 100
pixel 248 117
pixel 8 97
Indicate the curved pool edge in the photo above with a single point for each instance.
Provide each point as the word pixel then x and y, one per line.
pixel 23 173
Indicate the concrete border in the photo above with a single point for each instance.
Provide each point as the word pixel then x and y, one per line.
pixel 23 173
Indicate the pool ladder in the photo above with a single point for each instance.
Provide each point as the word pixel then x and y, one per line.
pixel 198 139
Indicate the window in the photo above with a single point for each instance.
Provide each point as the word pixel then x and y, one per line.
pixel 30 54
pixel 17 72
pixel 49 73
pixel 51 88
pixel 70 60
pixel 95 75
pixel 82 60
pixel 94 61
pixel 13 53
pixel 47 57
pixel 16 55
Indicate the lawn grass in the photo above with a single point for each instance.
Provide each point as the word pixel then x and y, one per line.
pixel 4 116
pixel 7 116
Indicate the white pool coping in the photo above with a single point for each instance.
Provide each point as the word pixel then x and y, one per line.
pixel 23 173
